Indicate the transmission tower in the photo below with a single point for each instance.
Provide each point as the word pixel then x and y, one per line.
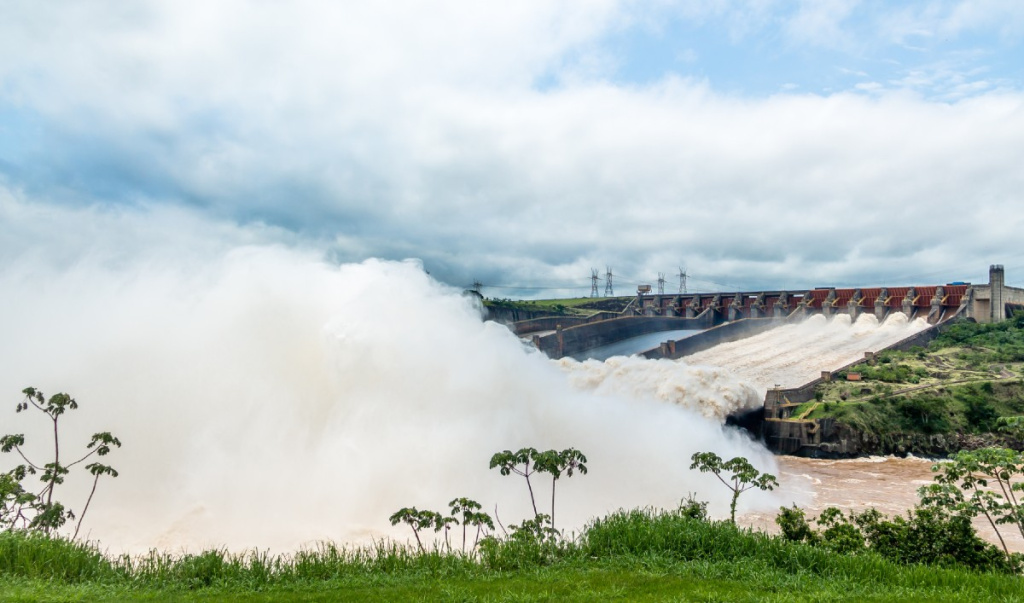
pixel 609 290
pixel 682 281
pixel 661 283
pixel 593 282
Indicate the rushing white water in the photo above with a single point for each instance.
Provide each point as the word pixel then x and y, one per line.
pixel 735 376
pixel 716 392
pixel 794 354
pixel 266 398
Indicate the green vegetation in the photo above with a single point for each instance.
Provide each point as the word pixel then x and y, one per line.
pixel 636 555
pixel 627 555
pixel 963 383
pixel 742 476
pixel 20 507
pixel 579 306
pixel 982 482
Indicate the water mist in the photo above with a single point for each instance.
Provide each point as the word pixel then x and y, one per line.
pixel 268 399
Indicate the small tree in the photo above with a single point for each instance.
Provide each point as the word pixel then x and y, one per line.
pixel 470 513
pixel 520 462
pixel 983 481
pixel 1012 425
pixel 19 507
pixel 483 523
pixel 417 520
pixel 742 476
pixel 558 463
pixel 444 523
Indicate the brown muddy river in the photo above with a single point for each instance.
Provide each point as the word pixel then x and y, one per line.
pixel 887 483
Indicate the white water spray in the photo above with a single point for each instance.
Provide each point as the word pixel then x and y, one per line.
pixel 268 399
pixel 794 354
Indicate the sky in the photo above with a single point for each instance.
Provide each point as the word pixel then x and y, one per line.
pixel 755 144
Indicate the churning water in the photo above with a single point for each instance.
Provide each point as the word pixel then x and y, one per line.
pixel 795 354
pixel 266 398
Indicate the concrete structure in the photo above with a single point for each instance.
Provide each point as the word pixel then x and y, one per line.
pixel 994 301
pixel 983 303
pixel 783 434
pixel 566 336
pixel 726 317
pixel 569 341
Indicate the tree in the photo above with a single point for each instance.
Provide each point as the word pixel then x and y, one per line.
pixel 444 523
pixel 19 507
pixel 742 475
pixel 984 481
pixel 557 463
pixel 471 515
pixel 417 520
pixel 520 462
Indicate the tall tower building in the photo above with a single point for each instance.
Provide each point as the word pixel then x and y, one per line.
pixel 996 278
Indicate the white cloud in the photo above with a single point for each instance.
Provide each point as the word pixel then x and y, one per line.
pixel 416 130
pixel 820 22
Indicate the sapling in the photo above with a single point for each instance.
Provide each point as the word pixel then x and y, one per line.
pixel 483 523
pixel 520 462
pixel 742 475
pixel 417 520
pixel 444 523
pixel 558 463
pixel 471 516
pixel 39 510
pixel 983 481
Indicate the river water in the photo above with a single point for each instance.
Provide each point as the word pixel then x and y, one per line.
pixel 790 355
pixel 888 484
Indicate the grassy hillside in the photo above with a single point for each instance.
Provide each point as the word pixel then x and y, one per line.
pixel 579 306
pixel 966 379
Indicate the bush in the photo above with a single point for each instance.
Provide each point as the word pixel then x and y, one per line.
pixel 926 414
pixel 927 536
pixel 795 528
pixel 933 536
pixel 980 414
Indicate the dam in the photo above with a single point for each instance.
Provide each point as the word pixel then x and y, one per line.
pixel 783 343
pixel 560 336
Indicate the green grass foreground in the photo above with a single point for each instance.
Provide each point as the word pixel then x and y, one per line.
pixel 627 556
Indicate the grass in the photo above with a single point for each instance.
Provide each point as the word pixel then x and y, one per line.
pixel 579 306
pixel 638 555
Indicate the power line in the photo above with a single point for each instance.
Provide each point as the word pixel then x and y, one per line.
pixel 609 290
pixel 593 282
pixel 682 281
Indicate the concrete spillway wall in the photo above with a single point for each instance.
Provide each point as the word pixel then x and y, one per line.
pixel 733 331
pixel 576 339
pixel 552 323
pixel 783 435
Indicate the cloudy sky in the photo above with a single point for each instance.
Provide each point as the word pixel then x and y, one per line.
pixel 756 143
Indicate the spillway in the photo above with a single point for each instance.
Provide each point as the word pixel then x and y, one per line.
pixel 734 377
pixel 794 354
